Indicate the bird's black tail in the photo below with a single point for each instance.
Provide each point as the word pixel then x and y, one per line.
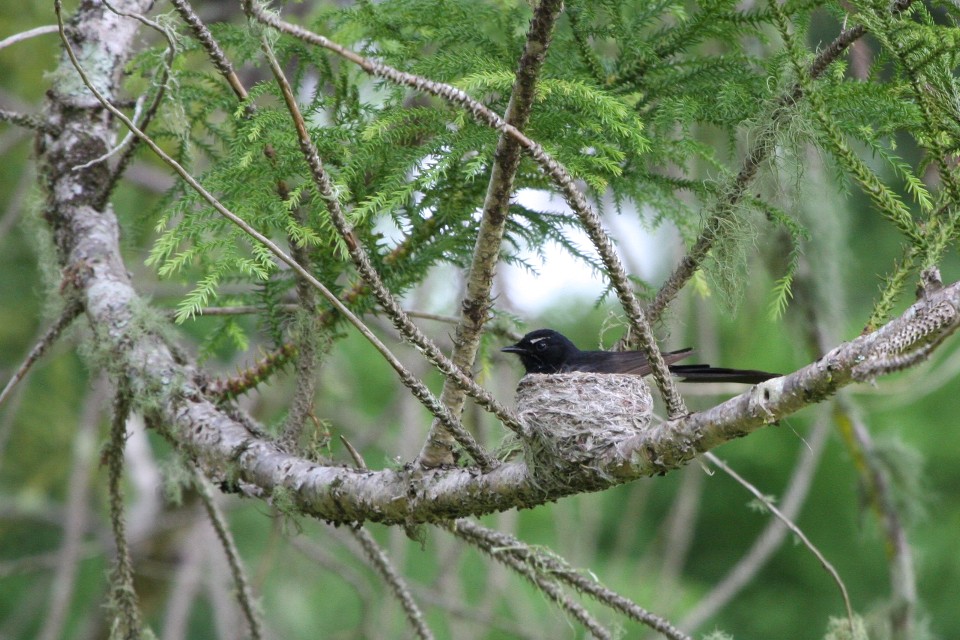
pixel 706 373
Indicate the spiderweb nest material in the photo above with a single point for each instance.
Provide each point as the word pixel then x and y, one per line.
pixel 574 422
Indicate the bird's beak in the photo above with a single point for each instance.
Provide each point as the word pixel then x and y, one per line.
pixel 513 349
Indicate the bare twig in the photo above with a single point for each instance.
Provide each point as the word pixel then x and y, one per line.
pixel 797 531
pixel 475 306
pixel 26 35
pixel 377 557
pixel 244 591
pixel 770 539
pixel 358 460
pixel 211 46
pixel 67 316
pixel 398 586
pixel 237 310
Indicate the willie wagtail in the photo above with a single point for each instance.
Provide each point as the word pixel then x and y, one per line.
pixel 547 351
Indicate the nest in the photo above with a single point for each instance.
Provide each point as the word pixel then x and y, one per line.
pixel 573 423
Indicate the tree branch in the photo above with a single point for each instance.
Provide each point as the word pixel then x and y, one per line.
pixel 475 305
pixel 403 496
pixel 499 544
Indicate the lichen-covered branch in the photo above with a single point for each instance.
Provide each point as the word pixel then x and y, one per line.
pixel 244 592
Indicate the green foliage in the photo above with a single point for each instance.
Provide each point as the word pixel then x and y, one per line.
pixel 623 99
pixel 412 176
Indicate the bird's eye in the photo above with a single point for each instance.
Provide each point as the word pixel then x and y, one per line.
pixel 541 346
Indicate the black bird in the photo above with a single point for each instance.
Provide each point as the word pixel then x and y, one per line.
pixel 547 351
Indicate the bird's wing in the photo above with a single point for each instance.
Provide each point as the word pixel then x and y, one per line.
pixel 629 362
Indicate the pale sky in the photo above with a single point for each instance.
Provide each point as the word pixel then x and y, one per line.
pixel 562 275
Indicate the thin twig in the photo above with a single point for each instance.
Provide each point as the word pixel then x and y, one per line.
pixel 68 315
pixel 475 306
pixel 123 597
pixel 770 539
pixel 382 564
pixel 236 310
pixel 419 390
pixel 244 591
pixel 358 460
pixel 790 525
pixel 26 35
pixel 398 586
pixel 211 46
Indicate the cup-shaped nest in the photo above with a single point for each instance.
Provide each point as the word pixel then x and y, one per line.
pixel 573 422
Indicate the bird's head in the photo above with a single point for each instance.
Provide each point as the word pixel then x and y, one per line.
pixel 543 351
